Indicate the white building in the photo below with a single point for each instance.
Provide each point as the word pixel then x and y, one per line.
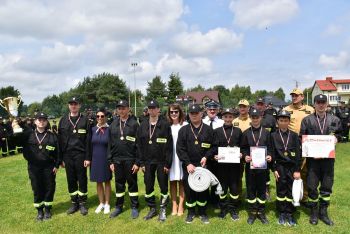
pixel 335 90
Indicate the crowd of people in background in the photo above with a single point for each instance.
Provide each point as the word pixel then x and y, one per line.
pixel 169 146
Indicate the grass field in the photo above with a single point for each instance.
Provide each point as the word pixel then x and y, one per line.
pixel 17 214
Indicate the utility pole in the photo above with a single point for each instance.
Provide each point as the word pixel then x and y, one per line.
pixel 134 65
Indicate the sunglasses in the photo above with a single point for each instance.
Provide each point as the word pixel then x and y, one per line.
pixel 100 116
pixel 174 112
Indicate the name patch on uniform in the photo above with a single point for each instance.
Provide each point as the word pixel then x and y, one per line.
pixel 268 129
pixel 82 131
pixel 206 145
pixel 307 112
pixel 129 138
pixel 236 124
pixel 50 148
pixel 161 140
pixel 292 154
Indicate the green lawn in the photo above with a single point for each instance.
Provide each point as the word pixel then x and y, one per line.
pixel 18 215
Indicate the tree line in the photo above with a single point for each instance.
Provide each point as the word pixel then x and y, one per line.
pixel 103 90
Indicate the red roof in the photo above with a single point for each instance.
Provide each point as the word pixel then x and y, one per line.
pixel 199 96
pixel 345 81
pixel 326 85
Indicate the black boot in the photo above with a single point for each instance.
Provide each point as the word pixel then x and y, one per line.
pixel 262 217
pixel 314 216
pixel 83 208
pixel 47 214
pixel 190 215
pixel 323 215
pixel 40 215
pixel 163 204
pixel 152 213
pixel 73 208
pixel 251 218
pixel 118 210
pixel 222 213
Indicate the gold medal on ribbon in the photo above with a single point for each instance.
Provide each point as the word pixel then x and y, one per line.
pixel 286 153
pixel 40 146
pixel 122 138
pixel 196 142
pixel 74 131
pixel 150 142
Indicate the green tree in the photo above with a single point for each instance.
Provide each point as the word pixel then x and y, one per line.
pixel 279 93
pixel 240 92
pixel 198 88
pixel 175 87
pixel 308 96
pixel 52 105
pixel 34 107
pixel 156 89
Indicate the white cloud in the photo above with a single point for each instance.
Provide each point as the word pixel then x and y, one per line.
pixel 110 18
pixel 214 41
pixel 333 30
pixel 339 61
pixel 262 13
pixel 175 63
pixel 140 47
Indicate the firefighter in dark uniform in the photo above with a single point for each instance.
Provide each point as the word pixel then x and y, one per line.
pixel 286 166
pixel 194 148
pixel 3 137
pixel 256 136
pixel 320 174
pixel 73 130
pixel 268 122
pixel 40 149
pixel 155 147
pixel 123 158
pixel 10 139
pixel 343 113
pixel 270 110
pixel 228 173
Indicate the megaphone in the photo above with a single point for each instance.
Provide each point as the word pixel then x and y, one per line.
pixel 297 192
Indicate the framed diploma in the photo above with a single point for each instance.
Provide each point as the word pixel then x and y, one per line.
pixel 258 155
pixel 229 155
pixel 318 146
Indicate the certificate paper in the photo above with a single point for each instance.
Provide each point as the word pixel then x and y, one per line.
pixel 229 155
pixel 318 146
pixel 258 155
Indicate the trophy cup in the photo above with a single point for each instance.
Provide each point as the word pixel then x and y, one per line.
pixel 10 104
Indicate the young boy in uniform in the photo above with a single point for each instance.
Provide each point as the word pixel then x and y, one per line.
pixel 256 136
pixel 286 166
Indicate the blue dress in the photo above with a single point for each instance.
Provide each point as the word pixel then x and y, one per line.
pixel 99 171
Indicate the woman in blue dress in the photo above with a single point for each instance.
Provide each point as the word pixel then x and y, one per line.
pixel 100 172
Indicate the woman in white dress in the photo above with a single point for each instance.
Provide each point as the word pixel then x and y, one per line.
pixel 176 118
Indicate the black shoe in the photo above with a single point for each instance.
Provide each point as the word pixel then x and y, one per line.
pixel 290 220
pixel 262 217
pixel 73 208
pixel 222 214
pixel 251 219
pixel 47 214
pixel 204 218
pixel 234 215
pixel 162 214
pixel 134 213
pixel 314 216
pixel 190 217
pixel 323 215
pixel 152 213
pixel 281 219
pixel 40 215
pixel 83 209
pixel 116 212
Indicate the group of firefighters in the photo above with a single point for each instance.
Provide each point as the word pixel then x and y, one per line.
pixel 149 145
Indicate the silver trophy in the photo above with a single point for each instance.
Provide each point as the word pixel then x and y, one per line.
pixel 11 104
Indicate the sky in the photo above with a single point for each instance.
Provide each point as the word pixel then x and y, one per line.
pixel 48 46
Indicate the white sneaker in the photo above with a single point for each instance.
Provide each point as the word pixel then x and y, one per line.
pixel 99 208
pixel 107 209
